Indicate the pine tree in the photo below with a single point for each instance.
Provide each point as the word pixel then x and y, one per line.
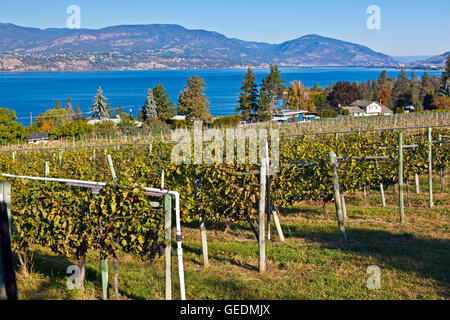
pixel 149 108
pixel 366 90
pixel 426 86
pixel 445 80
pixel 69 110
pixel 192 101
pixel 272 86
pixel 382 88
pixel 382 82
pixel 165 108
pixel 140 115
pixel 428 102
pixel 401 86
pixel 78 113
pixel 57 104
pixel 100 109
pixel 248 99
pixel 414 89
pixel 316 87
pixel 374 90
pixel 264 105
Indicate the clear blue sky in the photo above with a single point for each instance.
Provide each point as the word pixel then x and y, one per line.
pixel 408 27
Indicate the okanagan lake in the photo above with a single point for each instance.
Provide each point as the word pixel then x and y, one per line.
pixel 37 92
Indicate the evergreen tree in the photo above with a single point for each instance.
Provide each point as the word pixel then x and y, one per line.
pixel 366 90
pixel 374 90
pixel 100 109
pixel 316 87
pixel 140 115
pixel 272 87
pixel 382 82
pixel 78 114
pixel 69 110
pixel 426 86
pixel 248 99
pixel 401 86
pixel 414 89
pixel 445 80
pixel 192 101
pixel 57 104
pixel 149 108
pixel 264 105
pixel 428 102
pixel 329 89
pixel 165 108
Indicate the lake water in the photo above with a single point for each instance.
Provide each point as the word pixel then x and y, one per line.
pixel 37 92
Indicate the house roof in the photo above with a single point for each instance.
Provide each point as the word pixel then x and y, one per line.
pixel 362 103
pixel 39 136
pixel 290 112
pixel 385 109
pixel 359 106
pixel 354 109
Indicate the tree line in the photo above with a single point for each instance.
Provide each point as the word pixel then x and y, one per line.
pixel 424 93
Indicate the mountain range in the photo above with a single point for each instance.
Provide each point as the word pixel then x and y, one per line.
pixel 167 46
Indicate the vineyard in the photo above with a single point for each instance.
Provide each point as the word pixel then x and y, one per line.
pixel 122 220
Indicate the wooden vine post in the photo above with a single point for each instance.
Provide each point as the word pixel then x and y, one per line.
pixel 203 236
pixel 416 180
pixel 204 242
pixel 47 170
pixel 104 271
pixel 168 249
pixel 262 209
pixel 268 198
pixel 401 200
pixel 383 199
pixel 441 171
pixel 344 207
pixel 104 262
pixel 337 198
pixel 8 285
pixel 430 169
pixel 277 225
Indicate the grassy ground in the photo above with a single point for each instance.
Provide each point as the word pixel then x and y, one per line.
pixel 414 258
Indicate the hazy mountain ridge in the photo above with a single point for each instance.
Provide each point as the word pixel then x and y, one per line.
pixel 159 46
pixel 436 62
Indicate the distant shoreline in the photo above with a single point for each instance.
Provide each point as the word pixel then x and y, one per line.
pixel 231 68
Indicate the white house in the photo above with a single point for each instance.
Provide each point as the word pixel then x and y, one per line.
pixel 179 118
pixel 39 137
pixel 361 108
pixel 288 116
pixel 115 120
